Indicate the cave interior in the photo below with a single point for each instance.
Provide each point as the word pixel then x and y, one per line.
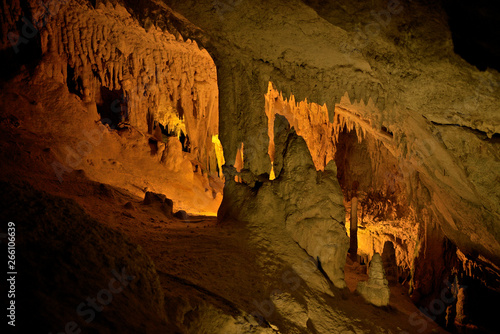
pixel 237 166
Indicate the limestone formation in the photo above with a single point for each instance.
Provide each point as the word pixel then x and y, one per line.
pixel 401 112
pixel 312 122
pixel 314 214
pixel 173 158
pixel 376 290
pixel 438 117
pixel 159 200
pixel 304 202
pixel 153 74
pixel 181 214
pixel 287 306
pixel 461 306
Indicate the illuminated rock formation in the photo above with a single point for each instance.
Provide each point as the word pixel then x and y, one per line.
pixel 315 216
pixel 396 110
pixel 311 202
pixel 150 73
pixel 376 289
pixel 99 64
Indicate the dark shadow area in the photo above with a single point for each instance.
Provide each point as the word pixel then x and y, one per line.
pixel 112 107
pixel 474 24
pixel 23 49
pixel 475 28
pixel 186 145
pixel 353 162
pixel 74 83
pixel 479 307
pixel 64 258
pixel 153 145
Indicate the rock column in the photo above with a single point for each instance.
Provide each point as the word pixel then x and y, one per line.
pixel 353 248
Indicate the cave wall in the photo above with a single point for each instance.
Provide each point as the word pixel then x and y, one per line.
pixel 398 81
pixel 414 103
pixel 127 72
pixel 321 59
pixel 402 85
pixel 95 64
pixel 78 274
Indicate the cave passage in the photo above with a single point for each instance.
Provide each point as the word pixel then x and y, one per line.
pixel 326 167
pixel 383 214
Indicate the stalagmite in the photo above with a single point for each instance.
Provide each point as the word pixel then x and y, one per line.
pixel 461 312
pixel 375 290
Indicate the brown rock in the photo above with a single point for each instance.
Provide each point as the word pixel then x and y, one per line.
pixel 160 200
pixel 376 290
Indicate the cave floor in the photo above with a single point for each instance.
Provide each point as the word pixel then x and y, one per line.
pixel 216 263
pixel 198 259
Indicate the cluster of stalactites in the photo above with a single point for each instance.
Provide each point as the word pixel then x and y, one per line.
pixel 156 73
pixel 486 272
pixel 311 121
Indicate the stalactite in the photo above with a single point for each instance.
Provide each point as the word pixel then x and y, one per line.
pixel 239 163
pixel 173 80
pixel 426 223
pixel 311 121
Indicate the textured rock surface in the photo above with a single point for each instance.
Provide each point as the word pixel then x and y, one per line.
pixel 376 289
pixel 305 202
pixel 314 211
pixel 159 200
pixel 290 308
pixel 425 119
pixel 94 64
pixel 428 120
pixel 405 92
pixel 62 249
pixel 148 72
